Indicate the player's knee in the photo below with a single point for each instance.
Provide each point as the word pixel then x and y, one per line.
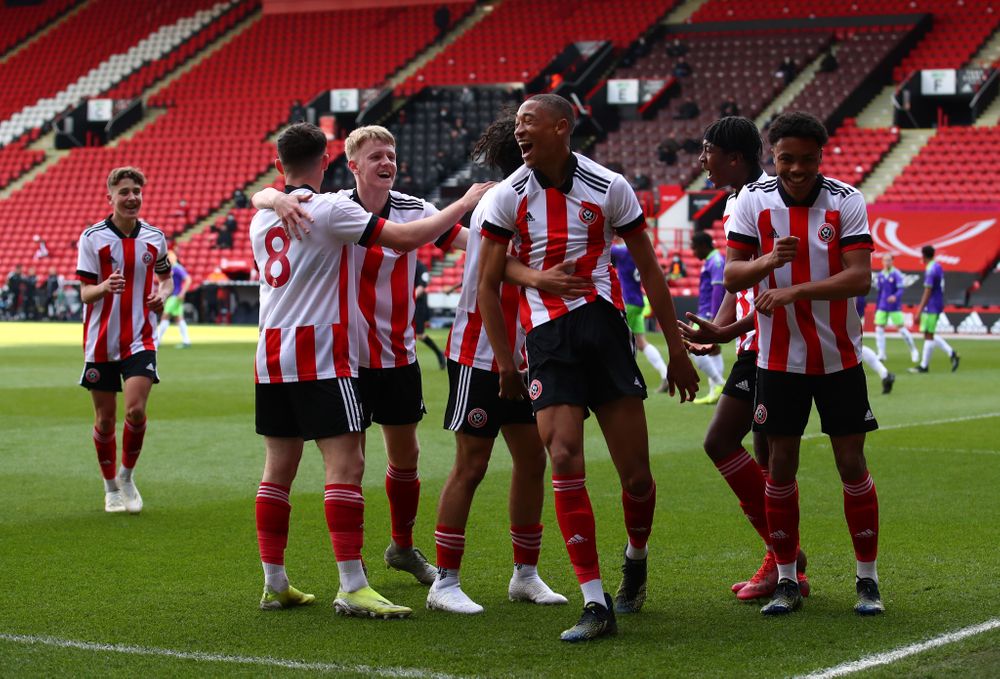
pixel 471 473
pixel 716 445
pixel 565 458
pixel 638 484
pixel 135 413
pixel 105 423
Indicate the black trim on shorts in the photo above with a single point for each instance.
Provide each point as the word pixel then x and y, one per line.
pixel 109 375
pixel 742 381
pixel 310 410
pixel 392 395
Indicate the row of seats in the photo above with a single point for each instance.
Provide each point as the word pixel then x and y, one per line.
pixel 16 159
pixel 489 52
pixel 18 22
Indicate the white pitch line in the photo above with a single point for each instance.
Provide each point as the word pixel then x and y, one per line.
pixel 926 423
pixel 892 656
pixel 265 661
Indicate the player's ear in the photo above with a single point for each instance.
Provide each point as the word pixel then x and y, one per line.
pixel 325 161
pixel 352 165
pixel 279 167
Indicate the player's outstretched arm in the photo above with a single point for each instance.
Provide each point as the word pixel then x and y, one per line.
pixel 681 374
pixel 743 271
pixel 855 280
pixel 559 280
pixel 409 236
pixel 492 263
pixel 294 217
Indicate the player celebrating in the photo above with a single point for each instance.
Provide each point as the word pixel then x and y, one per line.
pixel 561 206
pixel 929 310
pixel 173 309
pixel 476 413
pixel 635 306
pixel 306 365
pixel 889 282
pixel 731 151
pixel 804 239
pixel 117 260
pixel 710 294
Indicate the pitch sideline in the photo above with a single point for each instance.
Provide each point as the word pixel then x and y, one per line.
pixel 199 656
pixel 888 657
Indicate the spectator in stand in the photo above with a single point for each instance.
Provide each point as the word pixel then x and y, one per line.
pixel 666 152
pixel 30 285
pixel 729 107
pixel 682 69
pixel 688 111
pixel 641 182
pixel 463 131
pixel 829 63
pixel 224 234
pixel 404 178
pixel 52 287
pixel 677 269
pixel 41 251
pixel 787 70
pixel 297 114
pixel 676 48
pixel 240 199
pixel 184 212
pixel 13 294
pixel 442 20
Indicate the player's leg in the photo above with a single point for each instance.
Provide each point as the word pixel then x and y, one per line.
pixel 623 423
pixel 928 324
pixel 472 457
pixel 105 407
pixel 710 365
pixel 636 323
pixel 139 371
pixel 527 492
pixel 881 317
pixel 272 511
pixel 183 327
pixel 846 417
pixel 896 318
pixel 873 362
pixel 164 325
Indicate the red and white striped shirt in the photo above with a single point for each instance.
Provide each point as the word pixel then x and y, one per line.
pixel 467 341
pixel 744 298
pixel 550 225
pixel 117 326
pixel 814 337
pixel 308 312
pixel 385 288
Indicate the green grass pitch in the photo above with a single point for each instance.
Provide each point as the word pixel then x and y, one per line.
pixel 184 576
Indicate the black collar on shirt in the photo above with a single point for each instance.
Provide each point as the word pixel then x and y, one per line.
pixel 567 185
pixel 810 199
pixel 385 208
pixel 117 232
pixel 290 187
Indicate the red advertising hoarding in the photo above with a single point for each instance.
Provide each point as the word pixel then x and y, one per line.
pixel 965 241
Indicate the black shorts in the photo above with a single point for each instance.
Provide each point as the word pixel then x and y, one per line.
pixel 108 376
pixel 742 382
pixel 475 406
pixel 585 357
pixel 392 395
pixel 421 314
pixel 784 400
pixel 309 410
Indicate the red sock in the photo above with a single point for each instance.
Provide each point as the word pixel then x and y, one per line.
pixel 782 503
pixel 745 478
pixel 132 442
pixel 527 543
pixel 450 547
pixel 273 510
pixel 402 486
pixel 639 516
pixel 345 517
pixel 107 450
pixel 861 510
pixel 576 522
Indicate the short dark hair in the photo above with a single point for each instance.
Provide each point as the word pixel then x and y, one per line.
pixel 702 238
pixel 497 145
pixel 797 124
pixel 128 172
pixel 927 251
pixel 300 146
pixel 736 134
pixel 557 105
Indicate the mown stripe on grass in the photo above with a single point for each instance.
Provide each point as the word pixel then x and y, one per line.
pixel 925 423
pixel 198 656
pixel 889 657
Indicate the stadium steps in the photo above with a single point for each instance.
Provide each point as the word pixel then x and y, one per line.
pixel 150 116
pixel 683 11
pixel 788 94
pixel 264 180
pixel 989 52
pixel 879 112
pixel 910 144
pixel 991 116
pixel 480 12
pixel 44 143
pixel 197 59
pixel 27 42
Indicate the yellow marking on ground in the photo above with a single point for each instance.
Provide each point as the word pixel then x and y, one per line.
pixel 71 334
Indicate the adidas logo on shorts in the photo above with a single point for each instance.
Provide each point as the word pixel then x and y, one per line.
pixel 744 385
pixel 869 416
